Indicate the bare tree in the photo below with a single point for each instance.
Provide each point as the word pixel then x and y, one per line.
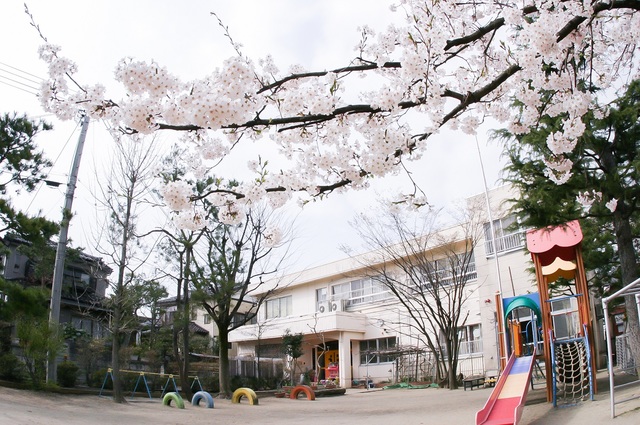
pixel 180 244
pixel 321 347
pixel 427 270
pixel 122 196
pixel 229 277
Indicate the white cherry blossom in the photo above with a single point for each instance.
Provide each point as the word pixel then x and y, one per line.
pixel 453 64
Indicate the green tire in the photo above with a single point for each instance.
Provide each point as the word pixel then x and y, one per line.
pixel 175 397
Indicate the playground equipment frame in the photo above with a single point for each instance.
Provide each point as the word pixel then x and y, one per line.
pixel 631 289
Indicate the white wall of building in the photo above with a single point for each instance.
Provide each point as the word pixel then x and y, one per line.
pixel 383 318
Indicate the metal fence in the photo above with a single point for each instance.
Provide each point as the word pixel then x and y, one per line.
pixel 416 366
pixel 270 368
pixel 624 357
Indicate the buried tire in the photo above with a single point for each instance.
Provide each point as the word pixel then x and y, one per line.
pixel 202 395
pixel 175 397
pixel 311 395
pixel 244 392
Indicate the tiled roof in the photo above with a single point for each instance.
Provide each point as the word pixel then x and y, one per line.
pixel 195 328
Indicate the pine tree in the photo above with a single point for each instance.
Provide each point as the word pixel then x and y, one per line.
pixel 22 166
pixel 605 178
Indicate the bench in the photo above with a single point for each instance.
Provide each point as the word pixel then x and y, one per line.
pixel 473 381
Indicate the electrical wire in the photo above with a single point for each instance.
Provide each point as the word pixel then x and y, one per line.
pixel 24 72
pixel 27 80
pixel 33 198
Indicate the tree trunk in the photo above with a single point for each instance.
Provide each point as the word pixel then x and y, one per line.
pixel 184 365
pixel 118 397
pixel 453 378
pixel 452 365
pixel 176 345
pixel 629 270
pixel 224 377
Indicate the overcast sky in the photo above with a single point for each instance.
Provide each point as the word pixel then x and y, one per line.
pixel 184 37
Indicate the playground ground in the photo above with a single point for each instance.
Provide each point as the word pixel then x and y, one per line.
pixel 358 406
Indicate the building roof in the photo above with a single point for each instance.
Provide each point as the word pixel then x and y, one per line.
pixel 197 329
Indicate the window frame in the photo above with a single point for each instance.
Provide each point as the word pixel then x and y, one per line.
pixel 283 303
pixel 377 355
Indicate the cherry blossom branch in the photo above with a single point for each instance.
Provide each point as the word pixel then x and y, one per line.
pixel 347 69
pixel 574 23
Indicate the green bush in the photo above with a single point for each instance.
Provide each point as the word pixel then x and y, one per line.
pixel 243 381
pixel 67 374
pixel 11 368
pixel 98 379
pixel 210 383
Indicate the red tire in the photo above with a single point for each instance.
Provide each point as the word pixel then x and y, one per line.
pixel 311 395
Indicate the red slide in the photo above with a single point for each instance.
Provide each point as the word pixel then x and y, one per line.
pixel 506 402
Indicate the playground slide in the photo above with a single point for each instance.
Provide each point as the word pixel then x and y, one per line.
pixel 506 402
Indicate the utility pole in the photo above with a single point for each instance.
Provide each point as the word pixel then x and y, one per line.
pixel 503 341
pixel 58 269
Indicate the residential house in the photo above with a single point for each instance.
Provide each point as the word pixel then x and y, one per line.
pixel 84 285
pixel 200 323
pixel 356 330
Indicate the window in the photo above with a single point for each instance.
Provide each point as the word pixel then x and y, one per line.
pixel 269 350
pixel 360 291
pixel 507 238
pixel 565 317
pixel 238 319
pixel 279 307
pixel 458 269
pixel 470 339
pixel 321 297
pixel 381 350
pixel 207 319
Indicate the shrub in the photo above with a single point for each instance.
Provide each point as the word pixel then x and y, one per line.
pixel 210 383
pixel 11 368
pixel 67 374
pixel 98 380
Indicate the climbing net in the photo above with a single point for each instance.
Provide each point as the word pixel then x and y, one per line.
pixel 571 372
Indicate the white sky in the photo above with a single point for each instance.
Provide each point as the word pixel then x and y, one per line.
pixel 185 38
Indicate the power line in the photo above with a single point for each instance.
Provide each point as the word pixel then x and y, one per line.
pixel 19 79
pixel 21 76
pixel 24 72
pixel 33 198
pixel 19 88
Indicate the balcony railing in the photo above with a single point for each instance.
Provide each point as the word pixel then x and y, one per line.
pixel 470 347
pixel 466 348
pixel 505 243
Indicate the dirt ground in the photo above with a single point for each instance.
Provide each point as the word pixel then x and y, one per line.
pixel 358 406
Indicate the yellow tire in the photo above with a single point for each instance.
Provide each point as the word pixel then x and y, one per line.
pixel 244 392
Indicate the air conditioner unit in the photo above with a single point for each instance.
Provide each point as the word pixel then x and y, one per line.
pixel 337 305
pixel 324 307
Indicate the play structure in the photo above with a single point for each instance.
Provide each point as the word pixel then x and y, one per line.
pixel 548 327
pixel 142 382
pixel 507 398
